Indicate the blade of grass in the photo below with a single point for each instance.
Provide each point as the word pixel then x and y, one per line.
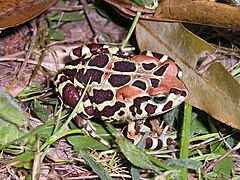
pixel 185 136
pixel 58 134
pixel 138 14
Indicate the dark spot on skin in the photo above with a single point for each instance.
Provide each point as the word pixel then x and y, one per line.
pixel 161 70
pixel 140 84
pixel 100 96
pixel 150 109
pixel 119 80
pixel 178 92
pixel 159 144
pixel 137 128
pixel 78 120
pixel 77 51
pixel 157 55
pixel 75 62
pixel 84 61
pixel 69 72
pixel 100 61
pixel 79 75
pixel 89 110
pixel 167 106
pixel 170 141
pixel 149 143
pixel 148 66
pixel 124 66
pixel 135 108
pixel 70 95
pixel 94 74
pixel 121 113
pixel 109 111
pixel 84 116
pixel 63 79
pixel 154 82
pixel 97 49
pixel 123 54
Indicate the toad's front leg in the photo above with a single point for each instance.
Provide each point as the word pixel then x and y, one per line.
pixel 88 127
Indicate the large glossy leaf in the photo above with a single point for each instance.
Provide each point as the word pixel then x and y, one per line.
pixel 135 155
pixel 8 132
pixel 216 92
pixel 15 12
pixel 11 111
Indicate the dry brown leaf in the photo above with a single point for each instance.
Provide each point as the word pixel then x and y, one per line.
pixel 190 11
pixel 15 12
pixel 199 12
pixel 216 92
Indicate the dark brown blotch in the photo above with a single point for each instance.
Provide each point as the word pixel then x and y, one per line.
pixel 140 84
pixel 150 109
pixel 148 66
pixel 93 75
pixel 157 55
pixel 178 92
pixel 121 113
pixel 70 95
pixel 124 66
pixel 100 96
pixel 117 80
pixel 161 70
pixel 100 61
pixel 109 111
pixel 167 106
pixel 97 48
pixel 154 82
pixel 148 143
pixel 79 75
pixel 135 108
pixel 69 72
pixel 77 51
pixel 62 79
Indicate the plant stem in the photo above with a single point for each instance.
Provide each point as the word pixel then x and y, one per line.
pixel 185 136
pixel 131 29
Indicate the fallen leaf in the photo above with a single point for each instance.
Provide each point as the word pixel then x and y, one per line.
pixel 216 92
pixel 14 12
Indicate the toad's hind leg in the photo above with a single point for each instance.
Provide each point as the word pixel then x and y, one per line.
pixel 154 141
pixel 87 126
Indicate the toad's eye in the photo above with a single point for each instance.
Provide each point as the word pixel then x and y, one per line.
pixel 160 99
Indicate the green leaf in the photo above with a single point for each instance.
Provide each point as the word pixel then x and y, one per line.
pixel 135 155
pixel 11 111
pixel 69 17
pixel 87 142
pixel 36 87
pixel 23 160
pixel 96 167
pixel 183 163
pixel 224 167
pixel 135 171
pixel 57 36
pixel 39 110
pixel 8 132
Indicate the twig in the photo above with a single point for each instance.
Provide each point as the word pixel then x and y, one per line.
pixel 29 51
